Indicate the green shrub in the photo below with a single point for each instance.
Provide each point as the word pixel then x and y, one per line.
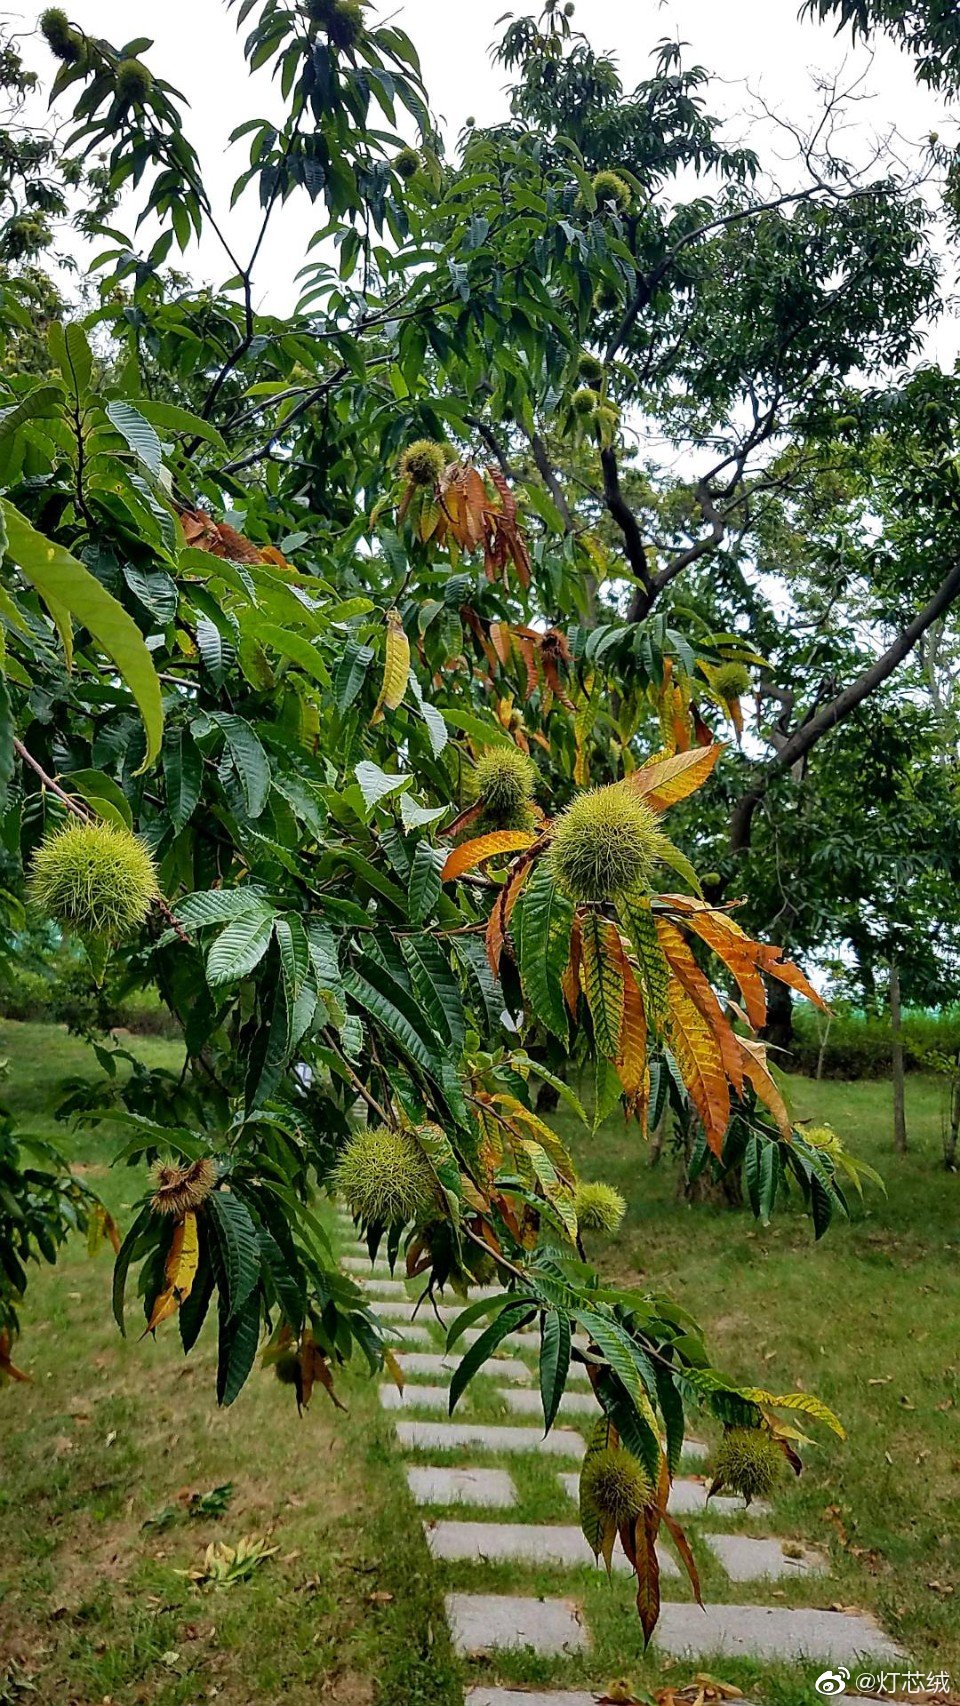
pixel 859 1045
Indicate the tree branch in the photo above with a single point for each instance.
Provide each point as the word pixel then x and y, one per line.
pixel 629 527
pixel 839 708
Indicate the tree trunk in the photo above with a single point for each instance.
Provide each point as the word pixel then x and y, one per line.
pixel 953 1135
pixel 778 1030
pixel 824 1039
pixel 896 1052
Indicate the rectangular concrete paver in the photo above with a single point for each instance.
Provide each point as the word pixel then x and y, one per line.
pixel 453 1436
pixel 484 1696
pixel 438 1484
pixel 524 1543
pixel 361 1265
pixel 689 1498
pixel 498 1368
pixel 492 1622
pixel 770 1632
pixel 414 1397
pixel 747 1560
pixel 529 1403
pixel 445 1312
pixel 412 1333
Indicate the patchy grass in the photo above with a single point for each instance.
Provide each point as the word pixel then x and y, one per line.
pixel 113 1434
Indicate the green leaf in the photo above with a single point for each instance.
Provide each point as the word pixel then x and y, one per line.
pixel 94 786
pixel 43 400
pixel 183 777
pixel 193 1309
pixel 70 350
pixel 477 728
pixel 436 988
pixel 304 653
pixel 216 906
pixel 251 762
pixel 351 673
pixel 425 887
pixel 294 953
pixel 59 577
pixel 376 784
pixel 235 1248
pixel 542 932
pixel 141 1237
pixel 170 415
pixel 555 1342
pixel 7 754
pixel 237 1348
pixel 138 433
pixel 393 1012
pixel 239 948
pixel 481 1349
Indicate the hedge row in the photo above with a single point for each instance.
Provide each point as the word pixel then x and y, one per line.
pixel 859 1044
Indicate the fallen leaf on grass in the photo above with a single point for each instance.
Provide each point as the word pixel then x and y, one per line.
pixel 223 1566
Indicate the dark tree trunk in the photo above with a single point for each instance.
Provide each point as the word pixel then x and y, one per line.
pixel 548 1099
pixel 896 1054
pixel 778 1030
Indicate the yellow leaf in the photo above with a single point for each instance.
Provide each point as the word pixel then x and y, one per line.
pixel 179 1272
pixel 668 780
pixel 632 1068
pixel 396 667
pixel 732 945
pixel 698 1056
pixel 815 1408
pixel 683 965
pixel 755 1069
pixel 472 853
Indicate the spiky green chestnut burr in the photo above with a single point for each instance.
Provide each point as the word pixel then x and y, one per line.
pixel 609 186
pixel 341 19
pixel 385 1177
pixel 423 462
pixel 60 36
pixel 615 1485
pixel 749 1461
pixel 731 680
pixel 95 878
pixel 598 1207
pixel 503 778
pixel 605 843
pixel 133 80
pixel 585 401
pixel 407 163
pixel 590 368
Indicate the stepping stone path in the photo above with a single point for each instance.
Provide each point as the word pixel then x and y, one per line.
pixel 491 1623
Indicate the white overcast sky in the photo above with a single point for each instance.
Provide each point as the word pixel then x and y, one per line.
pixel 757 45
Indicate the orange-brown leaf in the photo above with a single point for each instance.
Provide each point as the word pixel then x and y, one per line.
pixel 679 957
pixel 732 945
pixel 667 780
pixel 682 1544
pixel 632 1068
pixel 647 1566
pixel 787 972
pixel 8 1369
pixel 697 1053
pixel 179 1271
pixel 756 1071
pixel 499 920
pixel 472 853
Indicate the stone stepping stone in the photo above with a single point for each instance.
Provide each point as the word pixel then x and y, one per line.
pixel 500 1368
pixel 440 1485
pixel 493 1622
pixel 523 1543
pixel 483 1696
pixel 529 1403
pixel 523 1697
pixel 747 1560
pixel 361 1265
pixel 684 1500
pixel 770 1632
pixel 411 1333
pixel 453 1436
pixel 689 1498
pixel 445 1312
pixel 375 1288
pixel 415 1397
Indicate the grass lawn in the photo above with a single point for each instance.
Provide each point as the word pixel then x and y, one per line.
pixel 112 1433
pixel 348 1611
